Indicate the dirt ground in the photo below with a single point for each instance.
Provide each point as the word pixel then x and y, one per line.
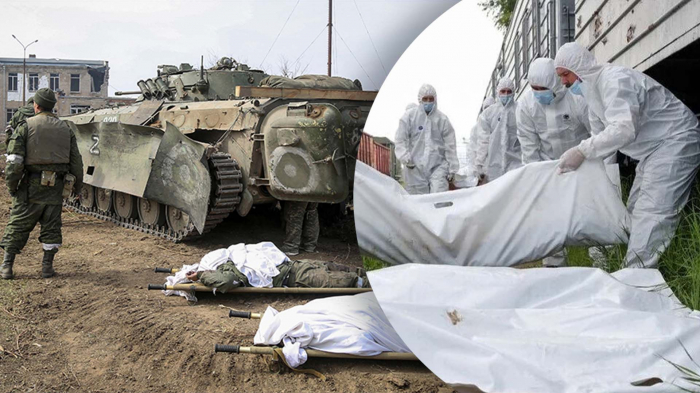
pixel 96 328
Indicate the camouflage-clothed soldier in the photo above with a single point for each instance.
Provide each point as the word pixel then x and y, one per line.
pixel 18 117
pixel 40 153
pixel 303 273
pixel 301 227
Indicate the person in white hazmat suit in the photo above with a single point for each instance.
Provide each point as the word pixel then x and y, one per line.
pixel 498 148
pixel 550 122
pixel 634 114
pixel 471 149
pixel 426 146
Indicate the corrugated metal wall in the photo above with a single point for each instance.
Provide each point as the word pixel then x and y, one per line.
pixel 375 155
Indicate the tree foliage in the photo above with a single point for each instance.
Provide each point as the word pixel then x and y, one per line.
pixel 500 10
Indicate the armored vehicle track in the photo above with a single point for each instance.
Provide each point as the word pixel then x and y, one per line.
pixel 153 218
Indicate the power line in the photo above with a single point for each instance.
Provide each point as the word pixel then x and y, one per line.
pixel 312 42
pixel 353 55
pixel 278 34
pixel 370 37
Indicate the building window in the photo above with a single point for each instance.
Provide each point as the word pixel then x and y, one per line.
pixel 33 82
pixel 53 82
pixel 8 117
pixel 75 109
pixel 75 83
pixel 12 82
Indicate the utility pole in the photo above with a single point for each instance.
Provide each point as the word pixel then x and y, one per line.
pixel 24 68
pixel 330 33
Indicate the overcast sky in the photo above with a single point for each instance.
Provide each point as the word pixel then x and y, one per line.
pixel 455 54
pixel 136 36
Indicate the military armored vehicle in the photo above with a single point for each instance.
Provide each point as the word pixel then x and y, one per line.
pixel 199 144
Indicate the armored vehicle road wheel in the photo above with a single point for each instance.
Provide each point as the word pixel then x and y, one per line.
pixel 178 220
pixel 151 212
pixel 87 196
pixel 103 200
pixel 125 205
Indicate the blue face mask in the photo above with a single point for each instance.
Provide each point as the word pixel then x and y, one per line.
pixel 544 97
pixel 575 88
pixel 428 106
pixel 505 99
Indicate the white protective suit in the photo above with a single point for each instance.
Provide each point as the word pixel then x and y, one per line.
pixel 498 148
pixel 634 114
pixel 471 149
pixel 426 140
pixel 547 131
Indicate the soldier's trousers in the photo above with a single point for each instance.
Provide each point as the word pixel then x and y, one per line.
pixel 302 226
pixel 304 273
pixel 23 219
pixel 318 274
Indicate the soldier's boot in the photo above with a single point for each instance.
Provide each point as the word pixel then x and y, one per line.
pixel 6 267
pixel 47 264
pixel 361 272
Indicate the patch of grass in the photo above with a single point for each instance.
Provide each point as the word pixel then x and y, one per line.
pixel 370 263
pixel 578 256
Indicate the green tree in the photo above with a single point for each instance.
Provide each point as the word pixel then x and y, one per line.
pixel 500 10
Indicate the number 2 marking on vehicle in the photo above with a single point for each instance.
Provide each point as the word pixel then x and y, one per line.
pixel 93 149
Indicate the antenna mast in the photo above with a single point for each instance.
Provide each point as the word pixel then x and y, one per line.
pixel 330 33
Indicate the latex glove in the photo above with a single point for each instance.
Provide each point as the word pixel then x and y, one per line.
pixel 571 160
pixel 410 164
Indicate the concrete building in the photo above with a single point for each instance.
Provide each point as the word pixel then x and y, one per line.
pixel 79 84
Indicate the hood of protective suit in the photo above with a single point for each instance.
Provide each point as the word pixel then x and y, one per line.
pixel 506 83
pixel 428 90
pixel 487 103
pixel 542 73
pixel 579 60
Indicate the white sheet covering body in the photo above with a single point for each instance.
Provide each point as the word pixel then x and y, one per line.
pixel 257 261
pixel 540 330
pixel 342 324
pixel 527 214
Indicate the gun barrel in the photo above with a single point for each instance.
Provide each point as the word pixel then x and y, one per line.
pixel 126 93
pixel 312 353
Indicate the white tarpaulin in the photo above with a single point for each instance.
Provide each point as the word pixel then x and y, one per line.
pixel 257 261
pixel 524 215
pixel 540 330
pixel 353 325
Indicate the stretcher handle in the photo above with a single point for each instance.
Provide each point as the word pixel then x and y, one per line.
pixel 227 348
pixel 164 270
pixel 155 287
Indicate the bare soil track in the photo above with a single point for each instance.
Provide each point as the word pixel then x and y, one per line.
pixel 95 327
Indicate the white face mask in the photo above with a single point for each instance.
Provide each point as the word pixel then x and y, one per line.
pixel 506 99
